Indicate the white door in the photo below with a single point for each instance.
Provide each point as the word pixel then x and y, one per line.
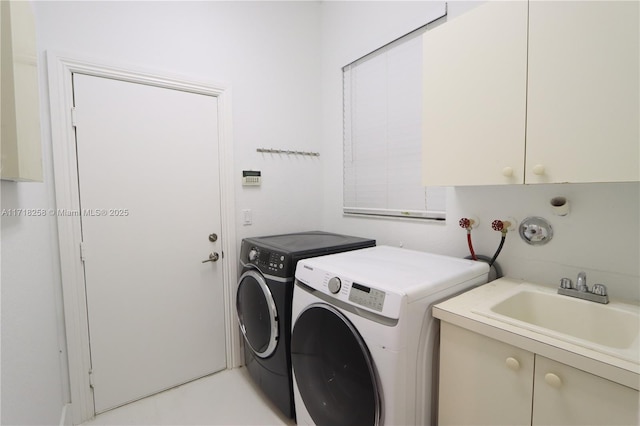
pixel 148 171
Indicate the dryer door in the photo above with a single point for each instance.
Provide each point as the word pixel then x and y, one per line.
pixel 334 370
pixel 257 314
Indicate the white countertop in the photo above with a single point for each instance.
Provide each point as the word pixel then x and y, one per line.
pixel 463 311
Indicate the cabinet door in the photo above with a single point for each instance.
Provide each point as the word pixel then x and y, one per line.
pixel 582 102
pixel 567 396
pixel 483 381
pixel 20 111
pixel 474 90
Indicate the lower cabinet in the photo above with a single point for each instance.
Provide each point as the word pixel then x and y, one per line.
pixel 487 382
pixel 564 395
pixel 483 381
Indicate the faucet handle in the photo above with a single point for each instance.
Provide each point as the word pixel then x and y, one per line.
pixel 566 283
pixel 582 282
pixel 599 289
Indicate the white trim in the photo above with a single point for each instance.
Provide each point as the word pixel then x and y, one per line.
pixel 66 415
pixel 60 70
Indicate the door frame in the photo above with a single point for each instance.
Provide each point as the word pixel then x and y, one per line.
pixel 61 66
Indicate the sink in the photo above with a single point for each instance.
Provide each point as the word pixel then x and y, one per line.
pixel 613 328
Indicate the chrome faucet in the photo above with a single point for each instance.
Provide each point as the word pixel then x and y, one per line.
pixel 582 282
pixel 597 294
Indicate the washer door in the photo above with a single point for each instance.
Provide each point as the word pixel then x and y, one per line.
pixel 333 368
pixel 257 314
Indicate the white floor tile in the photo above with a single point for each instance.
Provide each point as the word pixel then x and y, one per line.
pixel 225 398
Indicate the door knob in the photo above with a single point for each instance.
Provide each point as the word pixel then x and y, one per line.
pixel 213 257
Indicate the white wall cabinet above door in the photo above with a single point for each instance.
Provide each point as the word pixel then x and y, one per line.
pixel 474 97
pixel 583 93
pixel 575 91
pixel 21 149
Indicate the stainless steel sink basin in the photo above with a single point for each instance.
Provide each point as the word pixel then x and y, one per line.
pixel 613 328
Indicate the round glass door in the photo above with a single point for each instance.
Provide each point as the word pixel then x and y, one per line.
pixel 333 369
pixel 257 314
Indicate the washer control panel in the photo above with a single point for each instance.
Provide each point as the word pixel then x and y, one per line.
pixel 367 296
pixel 334 285
pixel 266 260
pixel 373 296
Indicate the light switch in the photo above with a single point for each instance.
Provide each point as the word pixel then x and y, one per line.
pixel 246 217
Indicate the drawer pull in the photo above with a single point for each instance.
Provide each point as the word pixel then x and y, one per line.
pixel 553 380
pixel 539 170
pixel 513 363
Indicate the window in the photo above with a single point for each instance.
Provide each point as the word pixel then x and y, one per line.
pixel 383 134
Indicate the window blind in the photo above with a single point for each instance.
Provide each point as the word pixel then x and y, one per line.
pixel 383 134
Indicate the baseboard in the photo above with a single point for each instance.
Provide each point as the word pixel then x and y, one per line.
pixel 66 416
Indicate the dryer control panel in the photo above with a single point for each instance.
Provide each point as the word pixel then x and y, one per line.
pixel 266 260
pixel 269 262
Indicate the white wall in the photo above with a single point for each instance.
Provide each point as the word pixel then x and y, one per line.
pixel 267 52
pixel 33 369
pixel 600 236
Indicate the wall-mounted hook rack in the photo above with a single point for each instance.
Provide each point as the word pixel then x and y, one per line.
pixel 285 151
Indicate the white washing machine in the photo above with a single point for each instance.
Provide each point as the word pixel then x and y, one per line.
pixel 364 342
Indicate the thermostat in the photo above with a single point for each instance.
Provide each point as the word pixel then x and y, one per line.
pixel 251 178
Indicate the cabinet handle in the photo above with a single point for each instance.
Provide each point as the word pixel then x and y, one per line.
pixel 513 363
pixel 538 170
pixel 507 172
pixel 553 380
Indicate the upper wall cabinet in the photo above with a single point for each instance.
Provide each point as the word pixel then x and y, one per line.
pixel 21 149
pixel 533 92
pixel 474 97
pixel 583 92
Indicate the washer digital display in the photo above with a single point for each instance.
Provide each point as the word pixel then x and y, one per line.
pixel 367 296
